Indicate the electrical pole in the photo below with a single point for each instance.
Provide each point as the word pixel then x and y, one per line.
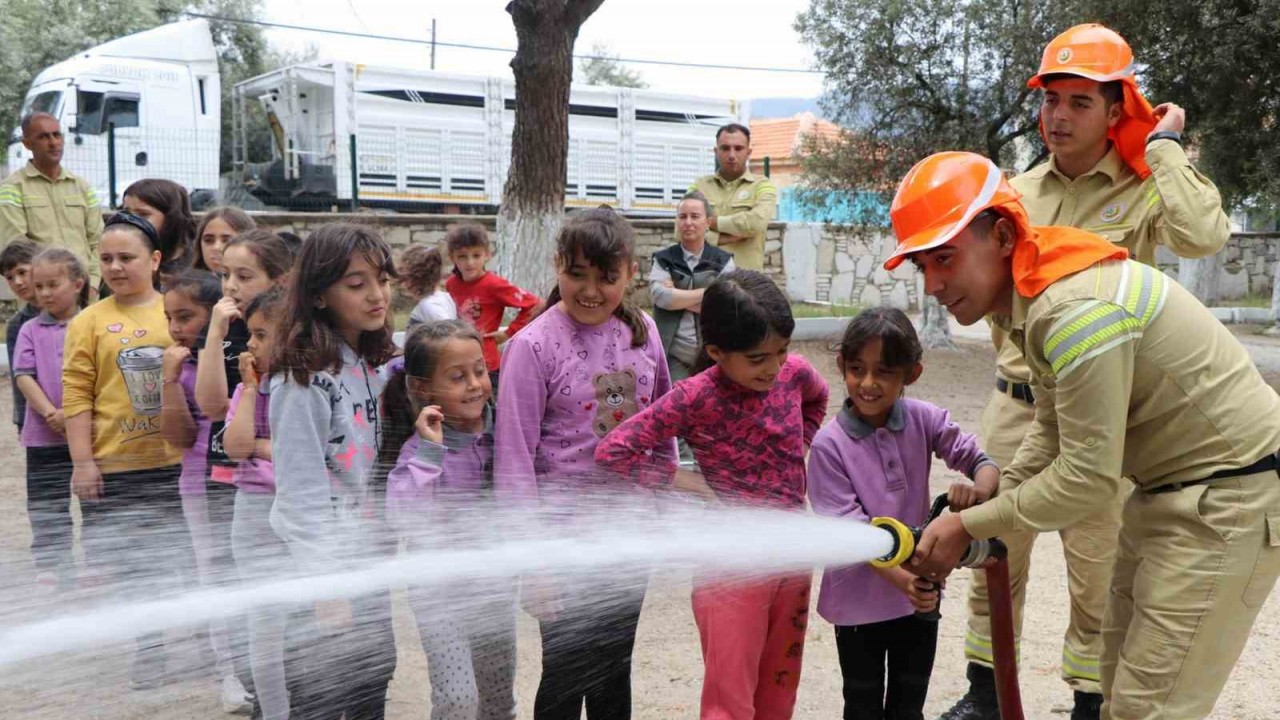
pixel 433 43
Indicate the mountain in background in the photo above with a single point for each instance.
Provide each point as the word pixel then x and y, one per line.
pixel 783 107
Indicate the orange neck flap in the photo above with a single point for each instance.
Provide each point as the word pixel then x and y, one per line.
pixel 1045 255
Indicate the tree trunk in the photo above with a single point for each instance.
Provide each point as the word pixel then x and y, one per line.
pixel 532 206
pixel 936 325
pixel 1201 277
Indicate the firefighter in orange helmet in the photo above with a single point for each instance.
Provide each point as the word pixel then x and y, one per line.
pixel 1116 168
pixel 1136 386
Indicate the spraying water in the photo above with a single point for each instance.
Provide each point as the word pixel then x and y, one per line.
pixel 732 542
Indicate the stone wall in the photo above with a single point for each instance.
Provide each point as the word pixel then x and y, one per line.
pixel 832 265
pixel 1248 265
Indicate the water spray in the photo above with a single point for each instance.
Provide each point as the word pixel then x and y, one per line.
pixel 991 555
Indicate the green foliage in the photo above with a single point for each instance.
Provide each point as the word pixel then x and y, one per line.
pixel 1220 60
pixel 38 33
pixel 603 68
pixel 911 78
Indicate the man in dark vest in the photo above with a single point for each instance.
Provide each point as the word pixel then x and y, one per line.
pixel 679 275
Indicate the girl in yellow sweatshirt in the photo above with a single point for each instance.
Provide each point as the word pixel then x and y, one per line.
pixel 125 473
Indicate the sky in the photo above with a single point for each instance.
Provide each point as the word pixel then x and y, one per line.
pixel 726 32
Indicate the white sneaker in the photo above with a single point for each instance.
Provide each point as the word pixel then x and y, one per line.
pixel 235 699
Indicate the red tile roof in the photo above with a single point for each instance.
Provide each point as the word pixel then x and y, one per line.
pixel 782 138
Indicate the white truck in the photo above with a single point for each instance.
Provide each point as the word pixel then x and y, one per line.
pixel 437 141
pixel 420 140
pixel 159 88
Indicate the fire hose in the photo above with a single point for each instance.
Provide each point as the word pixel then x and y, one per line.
pixel 992 556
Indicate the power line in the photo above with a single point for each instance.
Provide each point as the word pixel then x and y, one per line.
pixel 489 48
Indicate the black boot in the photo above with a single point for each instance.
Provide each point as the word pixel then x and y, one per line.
pixel 1088 706
pixel 980 702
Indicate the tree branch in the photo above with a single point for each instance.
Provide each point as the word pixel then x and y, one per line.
pixel 577 11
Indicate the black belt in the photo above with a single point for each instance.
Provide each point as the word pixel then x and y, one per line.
pixel 1270 462
pixel 1021 391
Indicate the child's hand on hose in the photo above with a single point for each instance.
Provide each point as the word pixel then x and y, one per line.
pixel 923 594
pixel 962 495
pixel 920 592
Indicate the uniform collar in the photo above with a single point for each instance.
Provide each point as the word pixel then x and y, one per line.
pixel 1017 316
pixel 32 171
pixel 458 440
pixel 746 177
pixel 858 429
pixel 1111 165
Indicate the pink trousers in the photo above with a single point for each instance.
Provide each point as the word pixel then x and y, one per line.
pixel 752 635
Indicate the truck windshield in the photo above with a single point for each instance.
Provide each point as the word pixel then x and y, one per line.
pixel 95 111
pixel 49 101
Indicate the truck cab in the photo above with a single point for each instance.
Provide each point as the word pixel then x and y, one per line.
pixel 145 105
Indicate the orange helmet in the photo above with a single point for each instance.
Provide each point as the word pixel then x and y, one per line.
pixel 1098 53
pixel 1090 51
pixel 940 196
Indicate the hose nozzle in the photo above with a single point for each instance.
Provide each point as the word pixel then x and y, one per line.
pixel 904 541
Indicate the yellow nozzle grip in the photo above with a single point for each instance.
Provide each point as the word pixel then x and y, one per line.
pixel 904 542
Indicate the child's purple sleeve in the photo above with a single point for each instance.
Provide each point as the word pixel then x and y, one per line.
pixel 24 352
pixel 957 448
pixel 831 490
pixel 522 402
pixel 412 482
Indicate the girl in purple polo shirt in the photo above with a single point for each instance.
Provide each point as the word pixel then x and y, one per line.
pixel 439 444
pixel 873 460
pixel 260 555
pixel 188 304
pixel 571 376
pixel 61 288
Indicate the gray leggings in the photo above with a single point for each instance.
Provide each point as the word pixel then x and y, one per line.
pixel 469 635
pixel 261 555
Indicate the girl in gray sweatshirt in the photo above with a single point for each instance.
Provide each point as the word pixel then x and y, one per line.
pixel 325 437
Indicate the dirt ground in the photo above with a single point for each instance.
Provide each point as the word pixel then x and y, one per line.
pixel 668 667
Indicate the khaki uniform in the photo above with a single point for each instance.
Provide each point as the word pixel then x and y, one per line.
pixel 1175 206
pixel 54 213
pixel 1135 380
pixel 743 207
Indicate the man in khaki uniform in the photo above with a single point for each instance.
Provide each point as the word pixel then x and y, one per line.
pixel 1134 380
pixel 744 203
pixel 1117 171
pixel 47 204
